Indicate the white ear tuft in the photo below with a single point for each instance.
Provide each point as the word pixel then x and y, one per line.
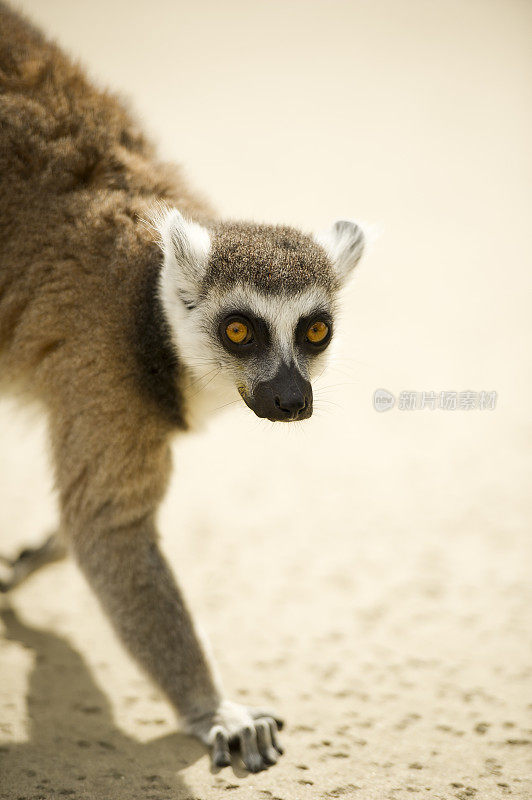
pixel 344 244
pixel 186 247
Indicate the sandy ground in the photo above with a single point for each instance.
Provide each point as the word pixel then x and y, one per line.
pixel 367 574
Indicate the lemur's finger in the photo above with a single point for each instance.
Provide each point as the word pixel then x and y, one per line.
pixel 29 560
pixel 264 739
pixel 264 712
pixel 220 748
pixel 275 739
pixel 249 749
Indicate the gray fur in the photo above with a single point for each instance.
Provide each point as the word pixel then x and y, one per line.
pixel 273 259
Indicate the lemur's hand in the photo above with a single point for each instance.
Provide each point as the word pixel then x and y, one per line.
pixel 251 731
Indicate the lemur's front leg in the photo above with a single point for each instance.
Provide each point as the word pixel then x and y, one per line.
pixel 136 588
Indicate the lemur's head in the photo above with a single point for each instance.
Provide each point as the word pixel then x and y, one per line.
pixel 255 304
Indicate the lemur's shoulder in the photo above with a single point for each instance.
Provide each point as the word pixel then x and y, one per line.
pixel 79 270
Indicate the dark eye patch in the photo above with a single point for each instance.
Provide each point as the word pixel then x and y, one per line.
pixel 304 323
pixel 260 334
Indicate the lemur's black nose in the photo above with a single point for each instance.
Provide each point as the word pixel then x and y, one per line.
pixel 286 397
pixel 291 406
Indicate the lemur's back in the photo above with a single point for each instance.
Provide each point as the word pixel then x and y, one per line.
pixel 75 175
pixel 58 134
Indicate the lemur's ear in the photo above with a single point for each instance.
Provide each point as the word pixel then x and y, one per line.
pixel 186 247
pixel 344 244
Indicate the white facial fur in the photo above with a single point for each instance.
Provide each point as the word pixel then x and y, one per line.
pixel 215 375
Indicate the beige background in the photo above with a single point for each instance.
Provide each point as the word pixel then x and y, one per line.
pixel 366 574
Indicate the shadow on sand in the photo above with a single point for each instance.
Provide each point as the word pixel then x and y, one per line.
pixel 74 749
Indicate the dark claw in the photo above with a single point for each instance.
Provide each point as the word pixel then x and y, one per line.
pixel 221 760
pixel 275 739
pixel 264 740
pixel 220 750
pixel 249 750
pixel 254 764
pixel 270 756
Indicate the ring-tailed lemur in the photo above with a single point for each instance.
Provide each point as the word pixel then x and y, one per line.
pixel 113 339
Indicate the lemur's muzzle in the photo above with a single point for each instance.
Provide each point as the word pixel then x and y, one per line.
pixel 286 397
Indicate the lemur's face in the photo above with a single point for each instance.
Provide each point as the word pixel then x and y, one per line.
pixel 254 305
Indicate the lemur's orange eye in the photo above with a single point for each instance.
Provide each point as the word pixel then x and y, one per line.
pixel 237 332
pixel 317 332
